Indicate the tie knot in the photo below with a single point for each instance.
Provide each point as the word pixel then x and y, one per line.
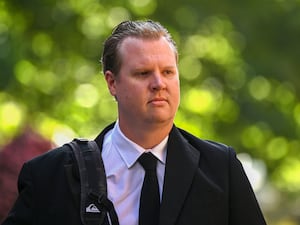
pixel 148 161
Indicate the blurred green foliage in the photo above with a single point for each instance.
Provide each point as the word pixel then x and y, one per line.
pixel 238 64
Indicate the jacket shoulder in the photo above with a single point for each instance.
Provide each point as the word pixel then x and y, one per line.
pixel 55 156
pixel 201 144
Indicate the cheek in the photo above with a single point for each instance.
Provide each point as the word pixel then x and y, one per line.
pixel 176 93
pixel 129 94
pixel 176 88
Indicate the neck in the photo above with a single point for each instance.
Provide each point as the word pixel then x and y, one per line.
pixel 146 136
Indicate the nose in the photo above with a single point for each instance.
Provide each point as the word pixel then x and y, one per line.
pixel 157 82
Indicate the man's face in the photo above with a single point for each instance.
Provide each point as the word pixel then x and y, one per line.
pixel 147 86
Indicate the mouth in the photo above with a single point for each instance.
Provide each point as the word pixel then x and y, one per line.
pixel 158 100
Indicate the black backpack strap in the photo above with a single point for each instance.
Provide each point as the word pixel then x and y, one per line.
pixel 95 207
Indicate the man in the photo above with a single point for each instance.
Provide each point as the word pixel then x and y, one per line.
pixel 199 182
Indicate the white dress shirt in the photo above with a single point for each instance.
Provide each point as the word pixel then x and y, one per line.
pixel 125 175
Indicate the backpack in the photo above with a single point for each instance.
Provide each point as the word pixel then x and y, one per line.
pixel 95 207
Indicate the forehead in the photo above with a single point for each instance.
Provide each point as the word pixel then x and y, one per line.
pixel 145 49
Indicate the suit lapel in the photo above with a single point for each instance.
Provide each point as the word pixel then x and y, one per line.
pixel 181 165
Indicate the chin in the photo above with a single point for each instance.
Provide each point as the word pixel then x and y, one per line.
pixel 161 120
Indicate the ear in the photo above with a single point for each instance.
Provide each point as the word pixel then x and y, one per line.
pixel 111 82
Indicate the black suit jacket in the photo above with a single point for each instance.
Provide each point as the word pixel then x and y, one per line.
pixel 204 184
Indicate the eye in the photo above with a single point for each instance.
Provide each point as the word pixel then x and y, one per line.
pixel 169 72
pixel 142 73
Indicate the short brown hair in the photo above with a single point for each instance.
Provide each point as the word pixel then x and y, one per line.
pixel 140 29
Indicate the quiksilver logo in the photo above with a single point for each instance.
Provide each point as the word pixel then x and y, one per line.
pixel 92 209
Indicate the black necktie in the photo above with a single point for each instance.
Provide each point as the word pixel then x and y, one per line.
pixel 150 201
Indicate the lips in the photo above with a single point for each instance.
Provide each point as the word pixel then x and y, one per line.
pixel 158 100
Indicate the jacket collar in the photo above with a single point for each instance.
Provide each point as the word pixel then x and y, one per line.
pixel 100 138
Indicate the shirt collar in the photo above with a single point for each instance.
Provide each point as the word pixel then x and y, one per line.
pixel 130 151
